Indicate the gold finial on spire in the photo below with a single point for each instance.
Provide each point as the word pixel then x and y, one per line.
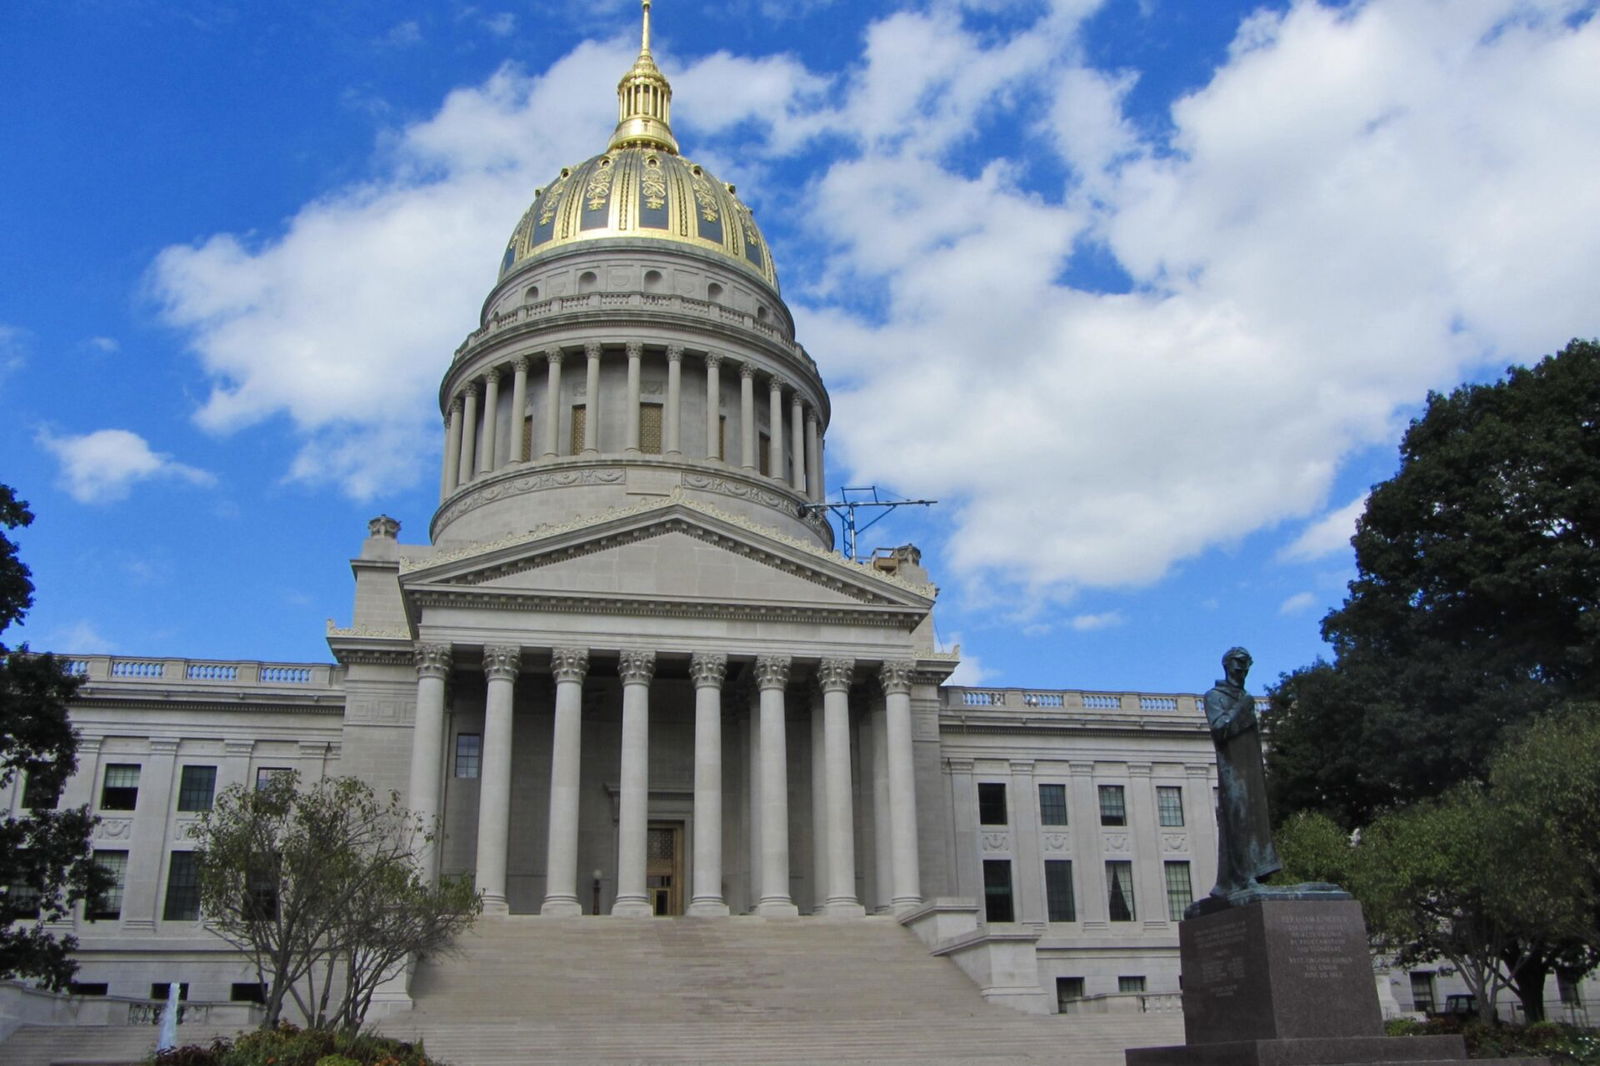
pixel 644 101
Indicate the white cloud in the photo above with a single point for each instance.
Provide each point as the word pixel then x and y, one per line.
pixel 1299 603
pixel 104 345
pixel 404 34
pixel 103 466
pixel 13 349
pixel 1326 536
pixel 78 638
pixel 1088 623
pixel 1364 202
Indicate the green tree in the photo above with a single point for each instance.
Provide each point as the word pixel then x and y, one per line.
pixel 46 860
pixel 1476 602
pixel 318 888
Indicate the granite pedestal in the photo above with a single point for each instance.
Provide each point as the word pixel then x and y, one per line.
pixel 1288 983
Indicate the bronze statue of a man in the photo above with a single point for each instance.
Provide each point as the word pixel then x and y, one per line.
pixel 1245 855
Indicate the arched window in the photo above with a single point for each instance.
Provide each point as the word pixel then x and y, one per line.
pixel 531 295
pixel 588 281
pixel 714 292
pixel 652 281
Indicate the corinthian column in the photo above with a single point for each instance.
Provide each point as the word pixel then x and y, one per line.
pixel 775 429
pixel 708 672
pixel 797 444
pixel 833 676
pixel 427 750
pixel 713 406
pixel 813 459
pixel 452 448
pixel 772 677
pixel 491 421
pixel 569 665
pixel 552 404
pixel 469 435
pixel 500 665
pixel 519 412
pixel 747 415
pixel 636 669
pixel 635 353
pixel 905 886
pixel 591 416
pixel 672 430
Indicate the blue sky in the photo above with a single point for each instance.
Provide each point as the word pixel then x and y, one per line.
pixel 1143 291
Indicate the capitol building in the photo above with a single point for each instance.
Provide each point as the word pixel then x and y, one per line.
pixel 627 673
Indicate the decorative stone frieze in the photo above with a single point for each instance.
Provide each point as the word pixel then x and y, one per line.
pixel 708 669
pixel 569 664
pixel 833 675
pixel 432 660
pixel 502 662
pixel 636 667
pixel 772 671
pixel 895 677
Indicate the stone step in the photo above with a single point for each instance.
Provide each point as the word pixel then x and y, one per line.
pixel 92 1045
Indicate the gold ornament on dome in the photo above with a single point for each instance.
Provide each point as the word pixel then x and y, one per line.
pixel 641 172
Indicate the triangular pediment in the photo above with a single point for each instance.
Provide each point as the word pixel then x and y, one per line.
pixel 674 553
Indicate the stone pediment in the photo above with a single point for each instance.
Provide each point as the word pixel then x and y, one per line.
pixel 677 556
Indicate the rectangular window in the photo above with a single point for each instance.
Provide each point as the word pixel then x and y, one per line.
pixel 1113 805
pixel 183 889
pixel 1068 990
pixel 108 905
pixel 1422 998
pixel 248 992
pixel 526 444
pixel 260 902
pixel 266 774
pixel 580 416
pixel 88 988
pixel 991 804
pixel 1130 984
pixel 469 754
pixel 650 428
pixel 1119 890
pixel 1169 804
pixel 997 890
pixel 196 788
pixel 1180 890
pixel 1052 804
pixel 121 790
pixel 158 991
pixel 1568 991
pixel 1060 900
pixel 23 898
pixel 38 794
pixel 722 436
pixel 763 453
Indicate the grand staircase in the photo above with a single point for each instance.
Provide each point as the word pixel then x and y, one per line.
pixel 735 990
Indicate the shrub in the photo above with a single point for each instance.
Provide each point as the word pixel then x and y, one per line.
pixel 289 1046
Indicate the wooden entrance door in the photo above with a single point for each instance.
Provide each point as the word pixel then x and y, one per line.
pixel 663 868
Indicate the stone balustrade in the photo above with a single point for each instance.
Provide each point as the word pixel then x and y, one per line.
pixel 1132 704
pixel 167 672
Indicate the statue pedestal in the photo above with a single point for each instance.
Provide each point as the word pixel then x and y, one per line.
pixel 1287 983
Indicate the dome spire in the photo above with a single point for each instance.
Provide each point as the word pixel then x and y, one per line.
pixel 644 101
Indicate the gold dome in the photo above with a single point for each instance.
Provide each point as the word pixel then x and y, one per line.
pixel 641 188
pixel 640 193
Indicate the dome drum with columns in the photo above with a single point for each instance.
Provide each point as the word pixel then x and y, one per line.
pixel 634 347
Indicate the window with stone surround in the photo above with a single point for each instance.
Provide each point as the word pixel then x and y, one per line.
pixel 580 417
pixel 38 794
pixel 650 428
pixel 197 787
pixel 1068 990
pixel 992 803
pixel 1113 805
pixel 1119 890
pixel 1169 805
pixel 1133 983
pixel 1180 889
pixel 1060 901
pixel 108 904
pixel 265 774
pixel 997 898
pixel 183 889
pixel 1052 804
pixel 469 754
pixel 120 791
